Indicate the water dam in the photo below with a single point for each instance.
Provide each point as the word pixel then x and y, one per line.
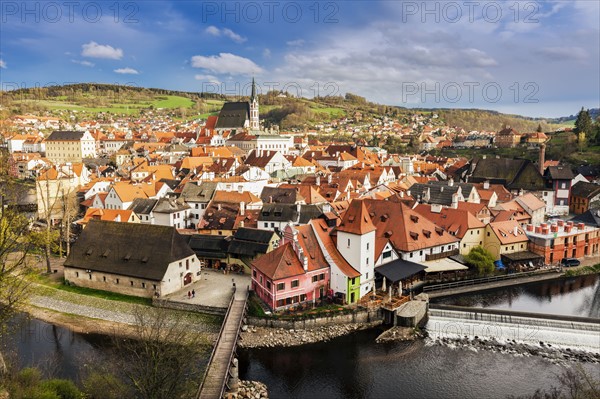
pixel 457 322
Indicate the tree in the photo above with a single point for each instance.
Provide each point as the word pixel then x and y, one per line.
pixel 583 127
pixel 14 248
pixel 539 128
pixel 163 360
pixel 481 259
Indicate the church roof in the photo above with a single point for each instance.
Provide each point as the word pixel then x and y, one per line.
pixel 233 115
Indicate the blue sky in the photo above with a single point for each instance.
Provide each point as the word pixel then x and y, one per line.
pixel 529 58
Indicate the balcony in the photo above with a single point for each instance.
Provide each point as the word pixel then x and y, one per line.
pixel 441 255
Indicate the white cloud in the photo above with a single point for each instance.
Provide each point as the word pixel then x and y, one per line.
pixel 207 79
pixel 563 53
pixel 127 71
pixel 213 30
pixel 295 43
pixel 226 63
pixel 95 50
pixel 2 64
pixel 84 63
pixel 266 53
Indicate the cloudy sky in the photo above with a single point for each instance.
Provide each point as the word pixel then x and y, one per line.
pixel 529 58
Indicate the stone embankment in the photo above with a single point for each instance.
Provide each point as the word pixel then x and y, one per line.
pixel 249 390
pixel 265 337
pixel 545 350
pixel 396 334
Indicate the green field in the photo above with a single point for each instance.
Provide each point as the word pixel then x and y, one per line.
pixel 123 107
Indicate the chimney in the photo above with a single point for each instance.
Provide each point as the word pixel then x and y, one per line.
pixel 542 157
pixel 515 231
pixel 451 182
pixel 242 208
pixel 270 199
pixel 298 207
pixel 305 263
pixel 219 206
pixel 329 178
pixel 318 180
pixel 455 200
pixel 486 185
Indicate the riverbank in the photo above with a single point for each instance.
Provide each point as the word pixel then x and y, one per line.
pixel 92 315
pixel 266 337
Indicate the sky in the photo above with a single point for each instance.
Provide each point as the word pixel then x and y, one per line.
pixel 530 58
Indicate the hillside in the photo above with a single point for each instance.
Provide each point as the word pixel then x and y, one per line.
pixel 288 112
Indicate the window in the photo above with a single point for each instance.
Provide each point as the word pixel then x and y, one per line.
pixel 295 283
pixel 187 264
pixel 411 255
pixel 386 254
pixel 254 273
pixel 421 253
pixel 315 278
pixel 268 284
pixel 348 243
pixel 90 276
pixel 76 274
pixel 512 247
pixel 322 276
pixel 488 234
pixel 180 264
pixel 471 232
pixel 143 285
pixel 367 247
pixel 280 286
pixel 154 286
pixel 104 278
pixel 117 281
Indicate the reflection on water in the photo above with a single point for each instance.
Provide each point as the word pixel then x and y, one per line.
pixel 57 350
pixel 356 367
pixel 575 296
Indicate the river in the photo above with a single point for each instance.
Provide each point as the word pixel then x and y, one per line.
pixel 355 366
pixel 571 296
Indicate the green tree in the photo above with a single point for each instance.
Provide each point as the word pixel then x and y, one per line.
pixel 481 259
pixel 583 124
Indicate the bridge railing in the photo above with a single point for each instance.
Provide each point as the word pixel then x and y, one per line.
pixel 483 280
pixel 237 331
pixel 212 354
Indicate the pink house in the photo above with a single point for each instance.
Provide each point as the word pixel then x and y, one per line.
pixel 294 273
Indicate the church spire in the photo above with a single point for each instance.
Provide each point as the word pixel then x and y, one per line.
pixel 254 120
pixel 253 95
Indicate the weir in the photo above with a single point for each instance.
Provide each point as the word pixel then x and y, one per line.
pixel 459 322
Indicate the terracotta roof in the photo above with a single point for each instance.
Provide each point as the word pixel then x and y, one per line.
pixel 320 227
pixel 505 231
pixel 456 222
pixel 280 263
pixel 356 219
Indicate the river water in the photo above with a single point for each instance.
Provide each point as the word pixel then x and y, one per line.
pixel 355 366
pixel 575 296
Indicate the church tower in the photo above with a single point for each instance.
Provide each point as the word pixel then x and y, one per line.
pixel 254 125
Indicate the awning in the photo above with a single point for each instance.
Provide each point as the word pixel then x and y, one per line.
pixel 443 265
pixel 399 269
pixel 521 256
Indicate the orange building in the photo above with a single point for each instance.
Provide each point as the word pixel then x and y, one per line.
pixel 558 239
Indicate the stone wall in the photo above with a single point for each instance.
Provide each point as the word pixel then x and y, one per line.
pixel 356 317
pixel 189 307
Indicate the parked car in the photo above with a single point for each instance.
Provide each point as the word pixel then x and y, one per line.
pixel 568 262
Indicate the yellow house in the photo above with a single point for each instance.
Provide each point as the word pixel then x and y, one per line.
pixel 505 238
pixel 70 146
pixel 458 222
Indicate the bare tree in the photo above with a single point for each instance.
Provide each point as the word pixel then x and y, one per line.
pixel 14 248
pixel 48 202
pixel 164 360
